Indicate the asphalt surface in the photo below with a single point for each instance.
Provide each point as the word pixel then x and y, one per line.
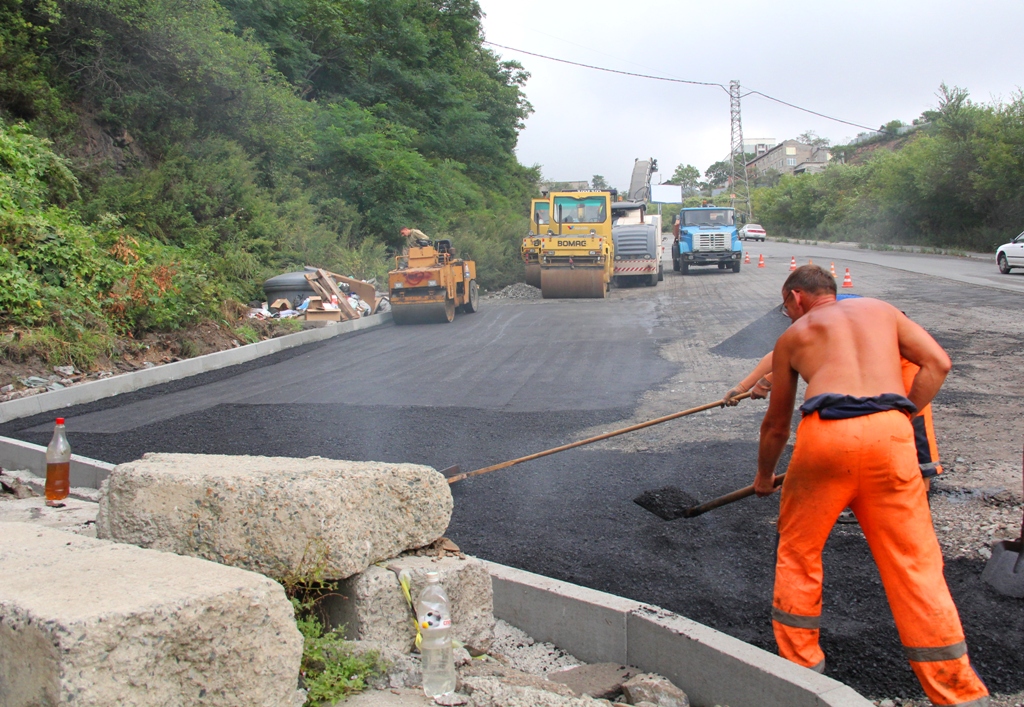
pixel 519 377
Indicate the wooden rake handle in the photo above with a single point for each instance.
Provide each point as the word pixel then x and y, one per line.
pixel 598 438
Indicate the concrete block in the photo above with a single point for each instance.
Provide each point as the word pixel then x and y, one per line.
pixel 589 624
pixel 713 668
pixel 92 623
pixel 372 607
pixel 275 515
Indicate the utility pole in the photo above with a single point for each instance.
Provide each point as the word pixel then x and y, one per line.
pixel 740 184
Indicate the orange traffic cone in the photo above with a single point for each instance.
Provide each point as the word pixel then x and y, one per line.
pixel 832 269
pixel 746 260
pixel 792 263
pixel 760 260
pixel 847 281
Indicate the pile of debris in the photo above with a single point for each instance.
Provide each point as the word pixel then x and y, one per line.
pixel 337 299
pixel 518 290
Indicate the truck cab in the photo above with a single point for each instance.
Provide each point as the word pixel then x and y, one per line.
pixel 706 235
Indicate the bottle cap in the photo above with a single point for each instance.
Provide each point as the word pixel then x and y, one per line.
pixel 433 578
pixel 60 420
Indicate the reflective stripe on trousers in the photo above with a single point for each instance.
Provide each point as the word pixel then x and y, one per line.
pixel 870 464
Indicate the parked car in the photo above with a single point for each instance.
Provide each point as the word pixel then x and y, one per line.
pixel 752 232
pixel 1011 255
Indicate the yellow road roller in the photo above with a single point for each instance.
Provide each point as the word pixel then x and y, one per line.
pixel 540 223
pixel 576 256
pixel 430 283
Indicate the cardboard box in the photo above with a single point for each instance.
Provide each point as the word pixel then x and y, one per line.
pixel 323 315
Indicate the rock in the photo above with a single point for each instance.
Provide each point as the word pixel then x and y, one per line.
pixel 372 607
pixel 9 388
pixel 654 688
pixel 511 676
pixel 65 371
pixel 601 680
pixel 95 623
pixel 275 515
pixel 35 382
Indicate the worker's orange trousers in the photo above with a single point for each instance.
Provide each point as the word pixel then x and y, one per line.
pixel 869 464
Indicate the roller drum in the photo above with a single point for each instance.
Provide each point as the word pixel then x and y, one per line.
pixel 533 274
pixel 573 283
pixel 423 312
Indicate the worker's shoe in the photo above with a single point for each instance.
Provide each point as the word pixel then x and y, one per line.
pixel 846 517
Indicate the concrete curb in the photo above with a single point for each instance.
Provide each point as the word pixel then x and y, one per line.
pixel 128 382
pixel 84 472
pixel 711 667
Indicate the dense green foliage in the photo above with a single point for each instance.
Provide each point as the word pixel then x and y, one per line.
pixel 195 149
pixel 958 181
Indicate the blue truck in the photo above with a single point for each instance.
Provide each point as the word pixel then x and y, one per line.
pixel 706 235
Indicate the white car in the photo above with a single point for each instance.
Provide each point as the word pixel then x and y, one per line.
pixel 1011 255
pixel 752 232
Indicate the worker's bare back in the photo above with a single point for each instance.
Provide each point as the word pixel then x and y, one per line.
pixel 854 349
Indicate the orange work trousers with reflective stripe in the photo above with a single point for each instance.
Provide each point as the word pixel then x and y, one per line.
pixel 869 464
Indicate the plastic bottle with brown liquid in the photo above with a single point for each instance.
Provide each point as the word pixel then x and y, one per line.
pixel 58 466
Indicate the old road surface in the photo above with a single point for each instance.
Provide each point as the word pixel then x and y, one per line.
pixel 522 376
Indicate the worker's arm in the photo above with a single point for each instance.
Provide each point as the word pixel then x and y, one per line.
pixel 763 368
pixel 776 424
pixel 917 346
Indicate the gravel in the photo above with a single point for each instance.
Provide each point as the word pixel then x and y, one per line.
pixel 519 290
pixel 528 655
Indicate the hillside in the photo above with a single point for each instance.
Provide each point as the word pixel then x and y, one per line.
pixel 159 160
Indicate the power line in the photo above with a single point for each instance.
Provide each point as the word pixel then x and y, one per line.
pixel 610 71
pixel 672 80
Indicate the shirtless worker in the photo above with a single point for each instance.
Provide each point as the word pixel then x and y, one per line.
pixel 759 383
pixel 855 448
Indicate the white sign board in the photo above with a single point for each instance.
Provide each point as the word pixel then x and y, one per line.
pixel 666 194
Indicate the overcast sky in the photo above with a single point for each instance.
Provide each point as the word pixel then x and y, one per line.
pixel 867 62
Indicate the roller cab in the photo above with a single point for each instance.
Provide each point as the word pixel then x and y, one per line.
pixel 429 284
pixel 576 258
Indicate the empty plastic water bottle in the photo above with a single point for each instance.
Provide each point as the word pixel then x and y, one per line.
pixel 435 621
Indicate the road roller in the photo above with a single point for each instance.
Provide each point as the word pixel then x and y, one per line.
pixel 430 283
pixel 540 221
pixel 576 255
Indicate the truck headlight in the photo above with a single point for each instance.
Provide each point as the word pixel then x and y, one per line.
pixel 593 252
pixel 431 283
pixel 398 284
pixel 618 257
pixel 647 256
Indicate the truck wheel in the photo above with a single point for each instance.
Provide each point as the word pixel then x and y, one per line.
pixel 652 280
pixel 473 301
pixel 684 268
pixel 661 273
pixel 736 266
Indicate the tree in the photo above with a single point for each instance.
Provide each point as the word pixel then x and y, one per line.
pixel 598 183
pixel 718 173
pixel 809 137
pixel 685 176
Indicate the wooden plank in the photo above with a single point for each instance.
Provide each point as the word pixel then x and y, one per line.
pixel 367 292
pixel 325 296
pixel 330 285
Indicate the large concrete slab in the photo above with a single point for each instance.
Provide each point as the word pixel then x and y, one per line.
pixel 278 516
pixel 372 607
pixel 94 623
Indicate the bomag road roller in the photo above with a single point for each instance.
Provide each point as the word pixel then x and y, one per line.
pixel 576 254
pixel 430 283
pixel 540 223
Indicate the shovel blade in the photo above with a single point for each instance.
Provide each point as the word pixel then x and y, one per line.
pixel 1005 569
pixel 667 503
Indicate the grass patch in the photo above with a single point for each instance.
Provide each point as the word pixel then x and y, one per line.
pixel 56 347
pixel 331 670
